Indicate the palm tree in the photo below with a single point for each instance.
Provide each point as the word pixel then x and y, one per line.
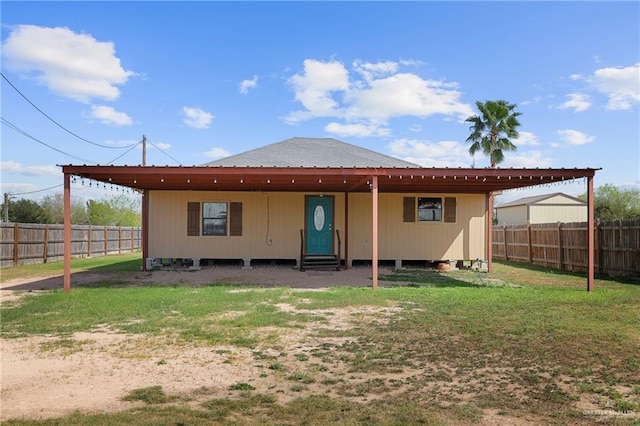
pixel 491 132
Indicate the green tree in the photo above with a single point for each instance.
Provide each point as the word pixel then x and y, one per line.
pixel 99 213
pixel 613 203
pixel 493 129
pixel 116 211
pixel 126 210
pixel 26 211
pixel 53 205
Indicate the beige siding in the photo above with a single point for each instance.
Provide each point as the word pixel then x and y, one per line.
pixel 560 199
pixel 514 215
pixel 553 214
pixel 463 239
pixel 272 223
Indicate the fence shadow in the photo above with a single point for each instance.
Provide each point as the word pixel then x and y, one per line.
pixel 622 279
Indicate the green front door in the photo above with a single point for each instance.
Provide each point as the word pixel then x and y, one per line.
pixel 319 225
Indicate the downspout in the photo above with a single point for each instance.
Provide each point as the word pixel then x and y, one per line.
pixel 374 232
pixel 67 234
pixel 489 231
pixel 145 228
pixel 346 230
pixel 590 234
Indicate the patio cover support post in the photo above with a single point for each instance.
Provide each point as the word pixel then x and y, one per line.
pixel 590 234
pixel 489 232
pixel 346 231
pixel 145 228
pixel 67 234
pixel 374 233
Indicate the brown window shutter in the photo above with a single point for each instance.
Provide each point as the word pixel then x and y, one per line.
pixel 409 209
pixel 235 218
pixel 450 209
pixel 193 219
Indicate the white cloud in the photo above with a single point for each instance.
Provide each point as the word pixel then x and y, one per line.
pixel 158 145
pixel 430 154
pixel 76 66
pixel 13 167
pixel 574 137
pixel 372 94
pixel 526 138
pixel 216 153
pixel 197 118
pixel 17 188
pixel 621 85
pixel 406 94
pixel 313 89
pixel 371 71
pixel 529 159
pixel 108 115
pixel 122 142
pixel 359 130
pixel 245 85
pixel 577 101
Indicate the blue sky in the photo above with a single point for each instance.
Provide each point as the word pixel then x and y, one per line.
pixel 208 79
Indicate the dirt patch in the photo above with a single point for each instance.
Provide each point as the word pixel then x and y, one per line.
pixel 50 376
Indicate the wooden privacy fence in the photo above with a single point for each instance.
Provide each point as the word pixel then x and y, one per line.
pixel 29 243
pixel 564 246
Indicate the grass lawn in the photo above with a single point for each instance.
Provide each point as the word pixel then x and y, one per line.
pixel 520 343
pixel 121 263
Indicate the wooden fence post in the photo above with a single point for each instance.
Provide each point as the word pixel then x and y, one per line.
pixel 560 249
pixel 89 243
pixel 506 246
pixel 598 248
pixel 106 241
pixel 529 242
pixel 45 250
pixel 16 242
pixel 119 239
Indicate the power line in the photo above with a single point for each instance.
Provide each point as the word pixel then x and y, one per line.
pixel 162 151
pixel 19 130
pixel 58 124
pixel 123 154
pixel 38 190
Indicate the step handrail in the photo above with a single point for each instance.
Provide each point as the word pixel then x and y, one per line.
pixel 301 249
pixel 339 246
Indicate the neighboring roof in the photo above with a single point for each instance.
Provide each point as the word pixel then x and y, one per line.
pixel 311 152
pixel 527 201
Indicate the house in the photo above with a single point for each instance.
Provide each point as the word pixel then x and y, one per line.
pixel 265 223
pixel 315 199
pixel 548 208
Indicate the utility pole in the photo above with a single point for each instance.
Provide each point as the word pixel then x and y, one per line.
pixel 6 207
pixel 144 150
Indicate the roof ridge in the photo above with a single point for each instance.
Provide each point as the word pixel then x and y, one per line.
pixel 302 151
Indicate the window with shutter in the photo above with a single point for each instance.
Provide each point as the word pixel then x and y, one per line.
pixel 450 209
pixel 429 209
pixel 235 219
pixel 409 209
pixel 193 219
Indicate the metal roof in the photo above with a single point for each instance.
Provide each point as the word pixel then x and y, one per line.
pixel 526 201
pixel 322 179
pixel 310 152
pixel 319 165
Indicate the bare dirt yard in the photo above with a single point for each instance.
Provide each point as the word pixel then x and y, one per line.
pixel 44 377
pixel 50 376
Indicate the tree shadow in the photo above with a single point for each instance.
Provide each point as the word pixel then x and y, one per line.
pixel 432 278
pixel 621 279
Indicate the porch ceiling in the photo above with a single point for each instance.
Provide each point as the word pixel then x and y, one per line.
pixel 303 179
